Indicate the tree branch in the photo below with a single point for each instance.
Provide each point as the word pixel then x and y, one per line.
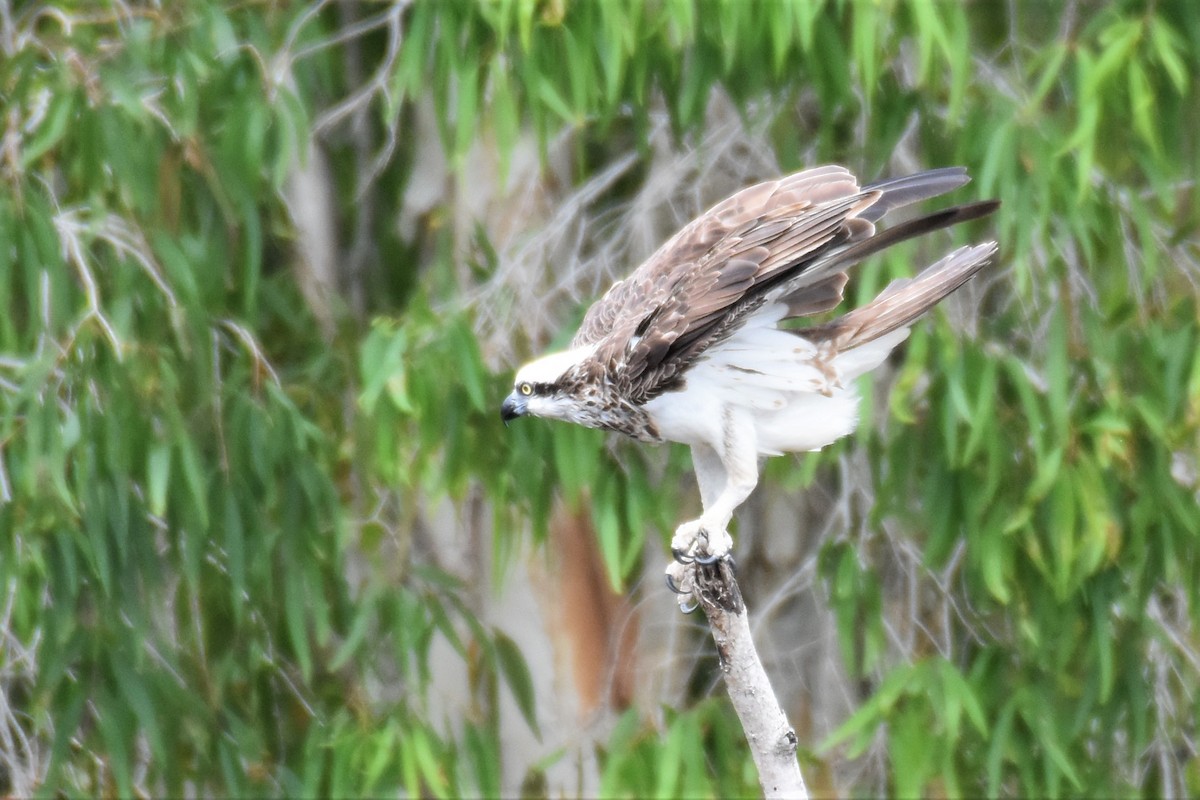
pixel 772 740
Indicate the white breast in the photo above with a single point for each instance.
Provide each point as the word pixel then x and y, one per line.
pixel 798 402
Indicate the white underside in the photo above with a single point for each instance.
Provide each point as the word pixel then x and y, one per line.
pixel 762 392
pixel 771 377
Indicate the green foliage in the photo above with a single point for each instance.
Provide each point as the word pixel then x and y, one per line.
pixel 441 436
pixel 640 763
pixel 171 512
pixel 188 465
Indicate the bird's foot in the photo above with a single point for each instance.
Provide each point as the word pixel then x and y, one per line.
pixel 714 582
pixel 702 553
pixel 680 581
pixel 701 543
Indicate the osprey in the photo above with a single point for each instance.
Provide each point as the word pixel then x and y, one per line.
pixel 691 348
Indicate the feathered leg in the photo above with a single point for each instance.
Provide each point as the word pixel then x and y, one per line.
pixel 710 473
pixel 737 460
pixel 710 478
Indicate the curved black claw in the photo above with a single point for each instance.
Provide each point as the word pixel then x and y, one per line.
pixel 708 561
pixel 689 609
pixel 681 556
pixel 673 586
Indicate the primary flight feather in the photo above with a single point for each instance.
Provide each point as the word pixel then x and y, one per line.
pixel 689 347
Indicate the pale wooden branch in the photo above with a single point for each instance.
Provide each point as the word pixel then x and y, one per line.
pixel 772 740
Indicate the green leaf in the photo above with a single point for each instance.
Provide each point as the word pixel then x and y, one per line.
pixel 964 695
pixel 638 504
pixel 981 419
pixel 134 692
pixel 993 558
pixel 549 96
pixel 781 33
pixel 911 751
pixel 998 745
pixel 466 114
pixel 505 114
pixel 1048 738
pixel 866 47
pixel 872 713
pixel 354 639
pixel 431 767
pixel 158 475
pixel 1121 39
pixel 1051 74
pixel 116 730
pixel 1142 106
pixel 607 519
pixel 472 373
pixel 193 476
pixel 516 675
pixel 54 126
pixel 296 614
pixel 1167 47
pixel 669 763
pixel 485 758
pixel 408 763
pixel 235 555
pixel 381 759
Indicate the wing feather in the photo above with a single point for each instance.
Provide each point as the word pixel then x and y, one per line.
pixel 653 280
pixel 790 239
pixel 903 300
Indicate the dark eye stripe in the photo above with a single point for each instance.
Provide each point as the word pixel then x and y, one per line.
pixel 534 388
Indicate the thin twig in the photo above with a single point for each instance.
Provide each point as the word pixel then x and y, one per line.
pixel 378 83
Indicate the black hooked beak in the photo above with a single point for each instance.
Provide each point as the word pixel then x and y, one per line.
pixel 512 407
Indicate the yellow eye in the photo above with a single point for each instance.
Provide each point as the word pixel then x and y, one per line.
pixel 525 389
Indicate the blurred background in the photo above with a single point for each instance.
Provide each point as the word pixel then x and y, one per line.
pixel 266 269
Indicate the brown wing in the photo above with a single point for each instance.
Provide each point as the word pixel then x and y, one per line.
pixel 800 232
pixel 704 300
pixel 651 283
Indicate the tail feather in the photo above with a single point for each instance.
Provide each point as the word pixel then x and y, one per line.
pixel 847 257
pixel 898 192
pixel 903 300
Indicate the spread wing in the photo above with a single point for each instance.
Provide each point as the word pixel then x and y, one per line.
pixel 680 255
pixel 800 232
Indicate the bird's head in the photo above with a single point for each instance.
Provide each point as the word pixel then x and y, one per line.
pixel 546 388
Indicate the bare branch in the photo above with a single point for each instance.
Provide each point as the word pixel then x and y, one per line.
pixel 73 252
pixel 357 102
pixel 772 739
pixel 261 362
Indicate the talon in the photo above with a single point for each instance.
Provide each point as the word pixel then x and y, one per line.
pixel 681 556
pixel 708 561
pixel 686 609
pixel 673 586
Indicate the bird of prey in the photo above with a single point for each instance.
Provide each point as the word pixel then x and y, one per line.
pixel 691 347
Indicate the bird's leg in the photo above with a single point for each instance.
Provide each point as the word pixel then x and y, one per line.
pixel 707 539
pixel 710 477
